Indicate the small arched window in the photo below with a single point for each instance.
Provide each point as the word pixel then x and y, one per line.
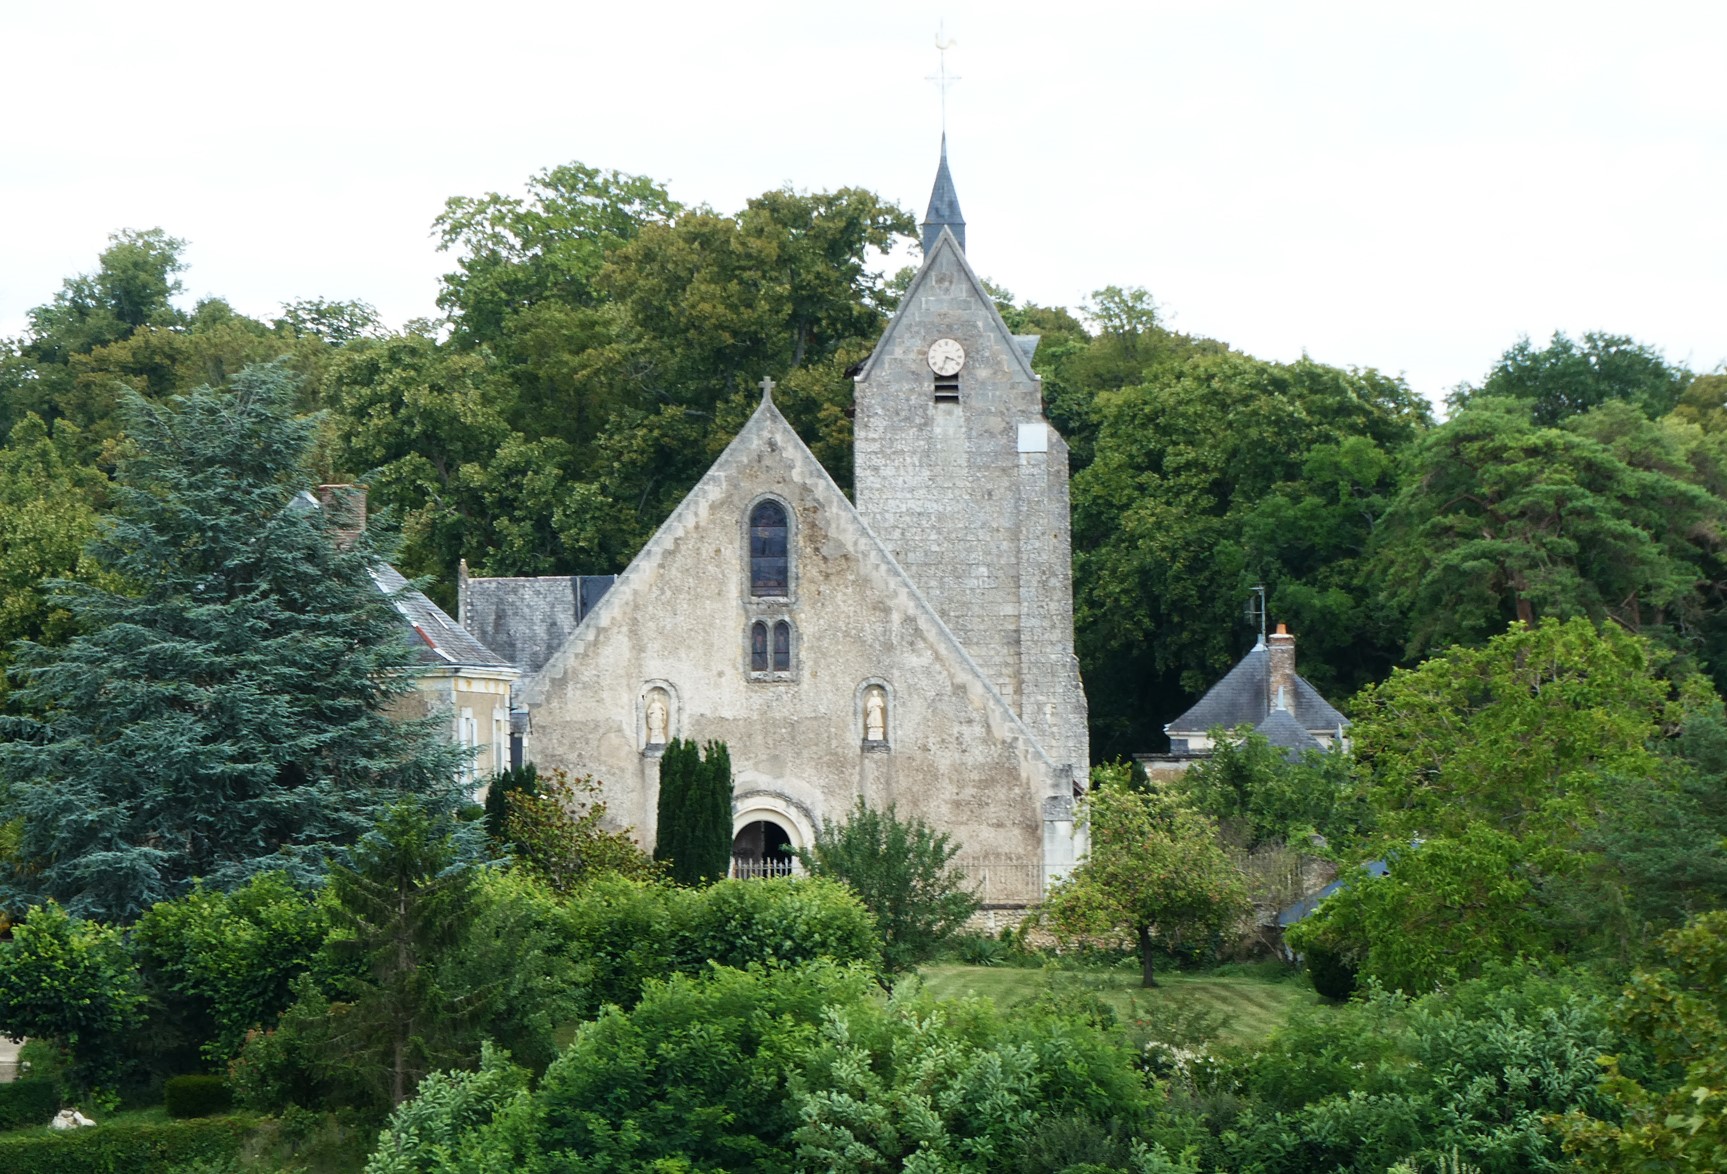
pixel 758 647
pixel 769 564
pixel 782 647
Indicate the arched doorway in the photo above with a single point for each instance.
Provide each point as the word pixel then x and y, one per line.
pixel 762 848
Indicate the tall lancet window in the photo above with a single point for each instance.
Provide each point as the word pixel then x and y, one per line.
pixel 770 565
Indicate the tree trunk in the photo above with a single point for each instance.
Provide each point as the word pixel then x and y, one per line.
pixel 1146 978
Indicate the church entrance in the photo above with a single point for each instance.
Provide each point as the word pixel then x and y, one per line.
pixel 762 848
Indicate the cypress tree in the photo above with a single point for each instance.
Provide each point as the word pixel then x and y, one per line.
pixel 222 712
pixel 695 812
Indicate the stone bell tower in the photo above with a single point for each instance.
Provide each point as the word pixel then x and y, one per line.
pixel 963 479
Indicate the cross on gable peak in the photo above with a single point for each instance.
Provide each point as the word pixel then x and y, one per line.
pixel 767 386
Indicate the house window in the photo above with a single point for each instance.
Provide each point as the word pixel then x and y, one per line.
pixel 758 647
pixel 770 566
pixel 782 647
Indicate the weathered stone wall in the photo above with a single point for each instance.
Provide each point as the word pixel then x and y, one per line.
pixel 972 497
pixel 677 622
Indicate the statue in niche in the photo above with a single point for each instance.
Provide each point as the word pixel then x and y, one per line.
pixel 659 717
pixel 875 714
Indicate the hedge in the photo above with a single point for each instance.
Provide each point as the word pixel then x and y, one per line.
pixel 196 1096
pixel 124 1147
pixel 28 1102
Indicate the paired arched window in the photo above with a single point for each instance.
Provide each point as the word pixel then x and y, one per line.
pixel 770 563
pixel 771 647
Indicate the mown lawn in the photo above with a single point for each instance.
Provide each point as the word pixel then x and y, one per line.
pixel 1248 1008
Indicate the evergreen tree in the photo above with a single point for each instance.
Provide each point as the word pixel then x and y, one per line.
pixel 222 713
pixel 695 812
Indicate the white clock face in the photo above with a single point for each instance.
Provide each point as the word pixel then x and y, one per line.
pixel 946 356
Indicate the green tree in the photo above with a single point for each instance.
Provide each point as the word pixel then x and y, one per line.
pixel 901 870
pixel 1668 1118
pixel 1491 771
pixel 694 838
pixel 222 964
pixel 404 901
pixel 1567 378
pixel 1213 472
pixel 1155 874
pixel 70 980
pixel 1258 796
pixel 223 715
pixel 47 518
pixel 1500 518
pixel 555 833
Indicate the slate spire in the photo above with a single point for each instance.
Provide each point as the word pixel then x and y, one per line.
pixel 943 207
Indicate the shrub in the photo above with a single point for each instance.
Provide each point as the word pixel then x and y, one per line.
pixel 28 1102
pixel 125 1147
pixel 196 1096
pixel 778 922
pixel 1330 972
pixel 901 869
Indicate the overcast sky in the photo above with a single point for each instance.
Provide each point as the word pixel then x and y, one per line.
pixel 1379 184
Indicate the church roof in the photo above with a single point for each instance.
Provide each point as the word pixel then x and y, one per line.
pixel 439 641
pixel 943 207
pixel 528 619
pixel 1242 698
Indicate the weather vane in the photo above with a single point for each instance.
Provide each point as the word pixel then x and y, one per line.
pixel 943 43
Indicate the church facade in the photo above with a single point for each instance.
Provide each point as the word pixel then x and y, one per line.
pixel 915 649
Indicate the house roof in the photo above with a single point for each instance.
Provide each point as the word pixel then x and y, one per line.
pixel 1282 730
pixel 1241 698
pixel 441 641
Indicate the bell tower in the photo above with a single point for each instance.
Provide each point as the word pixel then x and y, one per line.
pixel 963 479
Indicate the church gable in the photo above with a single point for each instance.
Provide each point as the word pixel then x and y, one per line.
pixel 765 614
pixel 948 291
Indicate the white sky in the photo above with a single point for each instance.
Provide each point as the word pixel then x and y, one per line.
pixel 1379 184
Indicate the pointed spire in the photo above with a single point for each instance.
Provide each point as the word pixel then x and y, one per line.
pixel 943 207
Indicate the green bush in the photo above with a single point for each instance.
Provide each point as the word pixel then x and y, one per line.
pixel 775 923
pixel 196 1096
pixel 28 1102
pixel 124 1147
pixel 1331 974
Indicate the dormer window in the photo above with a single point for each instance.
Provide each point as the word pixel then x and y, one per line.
pixel 770 563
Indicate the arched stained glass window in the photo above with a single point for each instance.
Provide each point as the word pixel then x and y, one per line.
pixel 769 564
pixel 758 647
pixel 782 647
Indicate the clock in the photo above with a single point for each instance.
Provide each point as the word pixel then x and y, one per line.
pixel 946 356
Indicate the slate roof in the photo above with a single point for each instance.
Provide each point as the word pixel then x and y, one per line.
pixel 439 641
pixel 1309 903
pixel 527 620
pixel 1281 729
pixel 1241 699
pixel 943 207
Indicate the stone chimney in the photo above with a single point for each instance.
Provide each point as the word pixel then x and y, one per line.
pixel 345 507
pixel 1280 674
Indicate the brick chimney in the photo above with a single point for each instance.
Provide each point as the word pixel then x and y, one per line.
pixel 345 507
pixel 1280 676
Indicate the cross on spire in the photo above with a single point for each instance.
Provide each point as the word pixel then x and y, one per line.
pixel 942 80
pixel 767 386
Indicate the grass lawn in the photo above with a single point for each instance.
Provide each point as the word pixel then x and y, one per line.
pixel 1248 1007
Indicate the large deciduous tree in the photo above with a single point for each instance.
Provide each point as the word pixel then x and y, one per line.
pixel 1213 472
pixel 1566 378
pixel 1495 773
pixel 222 713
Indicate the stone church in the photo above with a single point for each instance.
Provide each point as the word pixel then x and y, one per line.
pixel 915 649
